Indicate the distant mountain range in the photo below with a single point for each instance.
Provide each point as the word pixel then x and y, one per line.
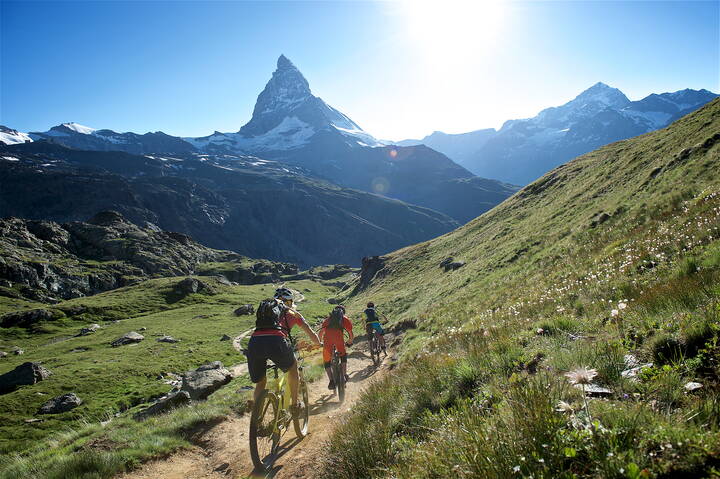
pixel 291 125
pixel 523 150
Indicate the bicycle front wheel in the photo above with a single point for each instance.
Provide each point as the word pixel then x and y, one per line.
pixel 375 350
pixel 264 431
pixel 339 380
pixel 303 416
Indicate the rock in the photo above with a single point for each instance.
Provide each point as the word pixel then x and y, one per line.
pixel 594 390
pixel 164 404
pixel 18 351
pixel 24 375
pixel 223 280
pixel 143 329
pixel 631 361
pixel 25 319
pixel 333 301
pixel 3 354
pixel 168 339
pixel 692 386
pixel 89 329
pixel 245 309
pixel 63 403
pixel 189 286
pixel 449 264
pixel 225 337
pixel 633 373
pixel 129 338
pixel 205 380
pixel 373 267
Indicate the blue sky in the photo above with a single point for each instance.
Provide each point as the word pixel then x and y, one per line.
pixel 399 69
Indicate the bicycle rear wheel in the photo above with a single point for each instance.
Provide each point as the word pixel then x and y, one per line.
pixel 339 379
pixel 375 349
pixel 303 417
pixel 264 433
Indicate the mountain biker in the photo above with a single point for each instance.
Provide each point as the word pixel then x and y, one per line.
pixel 372 324
pixel 332 333
pixel 275 318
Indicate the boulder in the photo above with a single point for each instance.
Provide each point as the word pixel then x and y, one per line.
pixel 25 319
pixel 205 380
pixel 89 329
pixel 129 338
pixel 168 339
pixel 3 354
pixel 692 386
pixel 164 404
pixel 225 337
pixel 594 390
pixel 333 301
pixel 189 286
pixel 23 375
pixel 18 351
pixel 63 403
pixel 245 309
pixel 449 264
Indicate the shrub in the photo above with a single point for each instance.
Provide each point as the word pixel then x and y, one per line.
pixel 665 349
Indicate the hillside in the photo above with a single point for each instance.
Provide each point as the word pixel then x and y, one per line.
pixel 610 262
pixel 258 208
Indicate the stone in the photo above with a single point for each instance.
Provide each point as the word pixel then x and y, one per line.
pixel 333 301
pixel 18 351
pixel 245 309
pixel 168 339
pixel 449 264
pixel 692 386
pixel 129 338
pixel 189 286
pixel 205 380
pixel 24 375
pixel 25 319
pixel 89 329
pixel 225 337
pixel 3 354
pixel 633 373
pixel 594 390
pixel 63 403
pixel 165 404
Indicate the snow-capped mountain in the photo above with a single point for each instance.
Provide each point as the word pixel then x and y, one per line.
pixel 286 116
pixel 523 150
pixel 9 136
pixel 74 135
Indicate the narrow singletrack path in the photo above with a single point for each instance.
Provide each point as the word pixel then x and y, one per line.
pixel 223 450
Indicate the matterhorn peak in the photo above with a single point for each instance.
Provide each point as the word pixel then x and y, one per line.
pixel 284 63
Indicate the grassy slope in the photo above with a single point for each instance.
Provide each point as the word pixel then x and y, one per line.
pixel 112 380
pixel 471 404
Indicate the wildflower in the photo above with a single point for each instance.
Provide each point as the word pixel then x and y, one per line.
pixel 622 305
pixel 581 375
pixel 516 469
pixel 562 406
pixel 614 313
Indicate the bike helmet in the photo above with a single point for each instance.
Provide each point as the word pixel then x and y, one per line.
pixel 283 293
pixel 340 306
pixel 371 304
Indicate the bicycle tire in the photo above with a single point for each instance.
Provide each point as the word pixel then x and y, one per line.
pixel 264 437
pixel 339 380
pixel 300 422
pixel 375 349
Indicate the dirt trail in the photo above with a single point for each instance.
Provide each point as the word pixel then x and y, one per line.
pixel 222 451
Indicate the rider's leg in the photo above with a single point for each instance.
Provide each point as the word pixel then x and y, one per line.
pixel 293 381
pixel 259 387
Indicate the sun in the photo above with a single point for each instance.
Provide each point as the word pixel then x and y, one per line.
pixel 452 31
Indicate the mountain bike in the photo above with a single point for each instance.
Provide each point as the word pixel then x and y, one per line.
pixel 375 348
pixel 271 417
pixel 336 370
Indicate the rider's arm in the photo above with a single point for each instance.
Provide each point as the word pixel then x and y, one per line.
pixel 304 326
pixel 347 324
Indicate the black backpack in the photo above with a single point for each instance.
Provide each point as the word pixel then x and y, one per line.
pixel 268 315
pixel 336 318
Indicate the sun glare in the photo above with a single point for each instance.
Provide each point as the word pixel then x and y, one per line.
pixel 451 30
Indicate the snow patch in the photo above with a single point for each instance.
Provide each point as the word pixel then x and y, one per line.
pixel 85 130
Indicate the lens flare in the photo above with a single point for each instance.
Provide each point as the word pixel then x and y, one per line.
pixel 380 185
pixel 393 153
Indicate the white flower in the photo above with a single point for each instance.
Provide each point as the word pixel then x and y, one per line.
pixel 516 469
pixel 581 375
pixel 622 305
pixel 614 313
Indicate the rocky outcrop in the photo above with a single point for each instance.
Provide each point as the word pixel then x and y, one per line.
pixel 24 375
pixel 60 404
pixel 47 261
pixel 89 329
pixel 190 286
pixel 168 339
pixel 128 338
pixel 449 264
pixel 164 404
pixel 244 310
pixel 25 319
pixel 372 268
pixel 205 380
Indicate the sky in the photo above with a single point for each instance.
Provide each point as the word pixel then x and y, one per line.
pixel 399 69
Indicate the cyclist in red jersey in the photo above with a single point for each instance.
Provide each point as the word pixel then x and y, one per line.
pixel 332 333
